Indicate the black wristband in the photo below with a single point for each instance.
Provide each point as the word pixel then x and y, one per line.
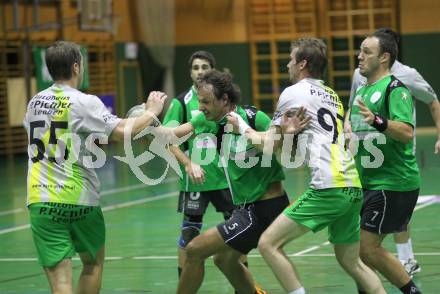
pixel 380 123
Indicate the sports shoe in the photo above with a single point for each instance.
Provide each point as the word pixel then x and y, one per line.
pixel 412 267
pixel 258 290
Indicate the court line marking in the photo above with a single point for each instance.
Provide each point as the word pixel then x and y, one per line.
pixel 165 257
pixel 425 201
pixel 106 208
pixel 12 211
pixel 103 193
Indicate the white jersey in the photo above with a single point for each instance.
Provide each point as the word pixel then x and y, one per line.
pixel 321 144
pixel 419 88
pixel 56 170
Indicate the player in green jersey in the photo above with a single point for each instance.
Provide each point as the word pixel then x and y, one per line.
pixel 382 120
pixel 199 185
pixel 423 92
pixel 334 198
pixel 63 191
pixel 255 187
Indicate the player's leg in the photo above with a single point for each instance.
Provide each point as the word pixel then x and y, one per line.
pixel 53 244
pixel 200 248
pixel 344 234
pixel 88 236
pixel 348 257
pixel 405 252
pixel 60 277
pixel 222 201
pixel 271 244
pixel 228 261
pixel 377 257
pixel 241 233
pixel 385 212
pixel 191 226
pixel 193 206
pixel 90 279
pixel 313 210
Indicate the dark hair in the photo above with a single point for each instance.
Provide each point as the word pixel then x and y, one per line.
pixel 314 51
pixel 221 83
pixel 389 31
pixel 202 55
pixel 387 44
pixel 60 57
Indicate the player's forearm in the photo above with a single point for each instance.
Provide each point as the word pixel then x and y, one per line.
pixel 267 142
pixel 256 138
pixel 434 107
pixel 399 131
pixel 180 155
pixel 347 125
pixel 133 125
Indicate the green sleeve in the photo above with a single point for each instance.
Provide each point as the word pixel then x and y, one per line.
pixel 262 121
pixel 198 121
pixel 401 106
pixel 174 112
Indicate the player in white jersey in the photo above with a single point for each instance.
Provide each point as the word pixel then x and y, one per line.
pixel 334 198
pixel 62 187
pixel 422 91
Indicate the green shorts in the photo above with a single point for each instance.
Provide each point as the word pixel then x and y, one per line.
pixel 60 230
pixel 335 208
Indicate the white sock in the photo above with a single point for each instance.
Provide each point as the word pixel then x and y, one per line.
pixel 403 251
pixel 410 248
pixel 298 291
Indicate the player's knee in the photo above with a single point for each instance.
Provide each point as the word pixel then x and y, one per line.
pixel 191 227
pixel 218 261
pixel 223 261
pixel 264 245
pixel 366 253
pixel 193 252
pixel 92 269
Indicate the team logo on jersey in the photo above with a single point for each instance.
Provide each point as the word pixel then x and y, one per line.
pixel 404 96
pixel 375 97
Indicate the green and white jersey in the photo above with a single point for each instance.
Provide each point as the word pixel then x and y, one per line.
pixel 321 144
pixel 399 170
pixel 198 148
pixel 54 115
pixel 248 171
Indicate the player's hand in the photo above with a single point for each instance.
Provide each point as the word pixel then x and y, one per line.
pixel 294 122
pixel 195 172
pixel 233 121
pixel 437 147
pixel 237 122
pixel 347 128
pixel 347 134
pixel 155 102
pixel 365 112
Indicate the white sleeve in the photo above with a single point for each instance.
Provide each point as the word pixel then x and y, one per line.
pixel 419 88
pixel 287 101
pixel 357 81
pixel 95 117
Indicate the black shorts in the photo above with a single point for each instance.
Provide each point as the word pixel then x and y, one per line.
pixel 195 203
pixel 243 230
pixel 386 212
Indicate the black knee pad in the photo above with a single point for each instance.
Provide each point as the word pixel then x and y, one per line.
pixel 191 227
